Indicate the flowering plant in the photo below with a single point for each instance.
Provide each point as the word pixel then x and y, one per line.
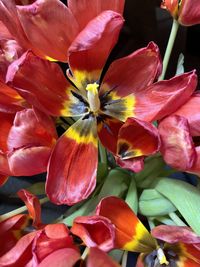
pixel 111 135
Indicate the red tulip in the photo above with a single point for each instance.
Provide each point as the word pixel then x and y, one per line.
pixel 187 12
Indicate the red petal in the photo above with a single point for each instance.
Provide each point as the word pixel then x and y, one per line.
pixel 108 129
pixel 196 166
pixel 133 164
pixel 130 232
pixel 189 13
pixel 53 237
pixel 3 178
pixel 90 50
pixel 164 97
pixel 48 90
pixel 33 205
pixel 5 126
pixel 98 258
pixel 133 73
pixel 177 140
pixel 49 26
pixel 137 138
pixel 10 230
pixel 95 231
pixel 190 110
pixel 80 9
pixel 73 164
pixel 65 257
pixel 175 234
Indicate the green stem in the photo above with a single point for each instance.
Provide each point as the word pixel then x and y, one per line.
pixel 103 154
pixel 19 210
pixel 124 259
pixel 151 223
pixel 170 45
pixel 176 219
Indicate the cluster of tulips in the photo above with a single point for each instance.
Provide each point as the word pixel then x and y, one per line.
pixel 107 138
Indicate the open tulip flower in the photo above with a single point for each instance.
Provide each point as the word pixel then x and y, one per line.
pixel 180 136
pixel 101 104
pixel 49 27
pixel 187 12
pixel 165 246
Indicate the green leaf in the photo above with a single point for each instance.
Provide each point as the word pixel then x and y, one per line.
pixel 152 203
pixel 131 197
pixel 37 188
pixel 185 198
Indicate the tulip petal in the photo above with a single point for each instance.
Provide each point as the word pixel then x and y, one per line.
pixel 65 257
pixel 95 231
pixel 80 9
pixel 165 97
pixel 33 205
pixel 49 90
pixel 98 258
pixel 3 178
pixel 5 126
pixel 73 163
pixel 174 234
pixel 138 71
pixel 190 110
pixel 196 166
pixel 176 140
pixel 90 50
pixel 49 26
pixel 137 138
pixel 130 233
pixel 108 129
pixel 189 13
pixel 132 164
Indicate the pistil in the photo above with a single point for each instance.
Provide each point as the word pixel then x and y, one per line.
pixel 93 96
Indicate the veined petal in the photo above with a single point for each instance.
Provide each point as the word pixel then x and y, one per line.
pixel 133 73
pixel 132 164
pixel 137 138
pixel 165 97
pixel 80 9
pixel 190 110
pixel 174 234
pixel 65 257
pixel 33 205
pixel 49 90
pixel 177 140
pixel 189 13
pixel 189 255
pixel 130 233
pixel 73 164
pixel 91 48
pixel 108 129
pixel 49 26
pixel 95 231
pixel 98 258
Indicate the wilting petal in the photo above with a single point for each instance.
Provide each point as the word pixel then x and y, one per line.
pixel 80 9
pixel 9 16
pixel 190 110
pixel 137 138
pixel 164 97
pixel 53 237
pixel 99 258
pixel 90 50
pixel 73 163
pixel 30 142
pixel 108 129
pixel 130 232
pixel 65 257
pixel 20 254
pixel 33 205
pixel 138 71
pixel 10 231
pixel 95 231
pixel 10 100
pixel 132 164
pixel 175 234
pixel 49 90
pixel 49 26
pixel 177 140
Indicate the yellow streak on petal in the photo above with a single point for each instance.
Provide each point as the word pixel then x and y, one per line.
pixel 81 139
pixel 142 240
pixel 50 58
pixel 131 152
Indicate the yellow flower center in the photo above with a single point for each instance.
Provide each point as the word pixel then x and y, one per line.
pixel 93 96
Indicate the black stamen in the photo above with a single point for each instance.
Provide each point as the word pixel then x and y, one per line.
pixel 80 98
